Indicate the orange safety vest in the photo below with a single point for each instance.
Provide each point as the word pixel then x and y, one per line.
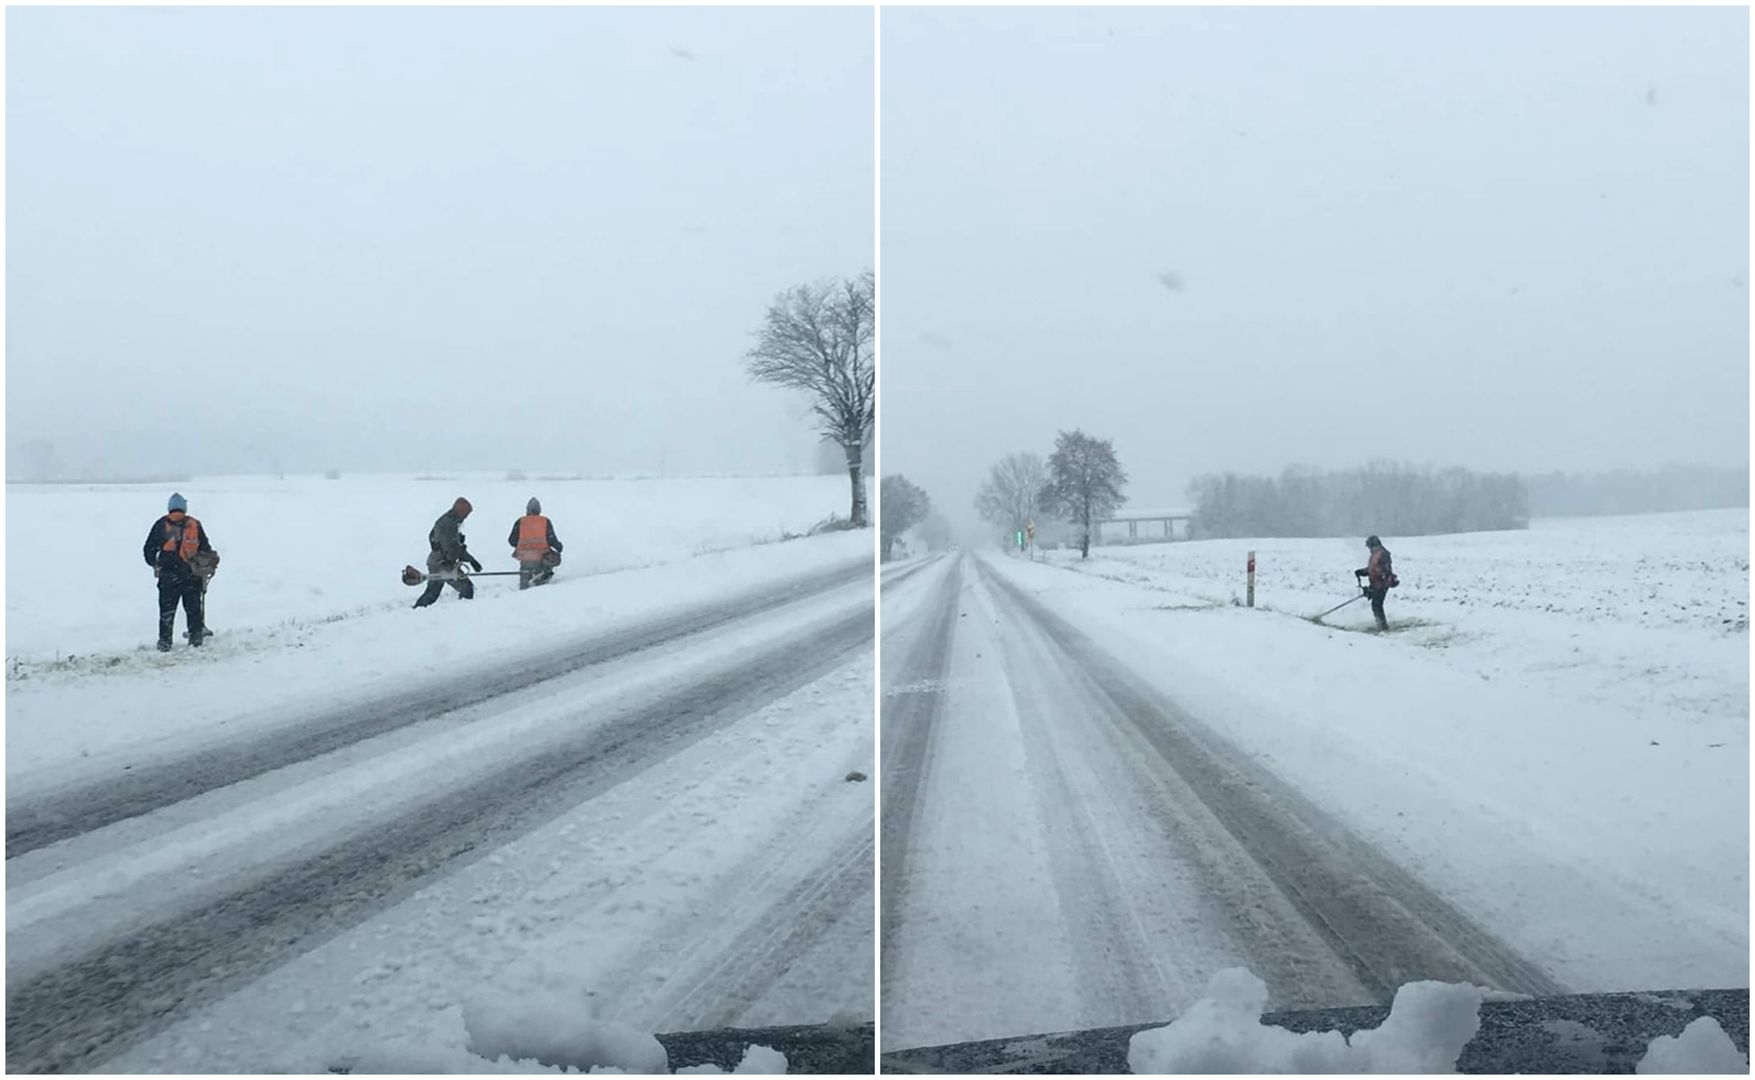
pixel 183 539
pixel 532 538
pixel 1380 577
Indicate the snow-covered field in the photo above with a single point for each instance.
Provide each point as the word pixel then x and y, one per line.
pixel 1556 728
pixel 305 549
pixel 533 826
pixel 1549 749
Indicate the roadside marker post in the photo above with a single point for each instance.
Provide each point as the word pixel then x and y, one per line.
pixel 1252 579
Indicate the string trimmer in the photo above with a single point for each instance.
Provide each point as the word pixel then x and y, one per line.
pixel 1318 618
pixel 411 576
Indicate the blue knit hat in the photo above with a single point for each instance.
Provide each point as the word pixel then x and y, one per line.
pixel 177 503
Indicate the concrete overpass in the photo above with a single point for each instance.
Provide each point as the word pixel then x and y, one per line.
pixel 1144 526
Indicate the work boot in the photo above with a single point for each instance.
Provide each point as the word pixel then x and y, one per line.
pixel 197 637
pixel 164 646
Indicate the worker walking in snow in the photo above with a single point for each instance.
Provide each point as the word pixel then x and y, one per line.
pixel 535 546
pixel 182 558
pixel 449 552
pixel 1380 578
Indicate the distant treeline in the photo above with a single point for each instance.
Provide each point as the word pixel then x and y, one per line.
pixel 88 479
pixel 1382 497
pixel 1673 487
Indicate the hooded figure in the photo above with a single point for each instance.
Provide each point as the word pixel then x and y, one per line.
pixel 1380 578
pixel 449 551
pixel 535 546
pixel 180 554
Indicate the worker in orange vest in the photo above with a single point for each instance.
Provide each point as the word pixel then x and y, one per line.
pixel 1379 574
pixel 535 546
pixel 181 557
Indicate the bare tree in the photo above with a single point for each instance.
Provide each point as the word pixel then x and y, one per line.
pixel 819 338
pixel 1084 482
pixel 1011 494
pixel 901 506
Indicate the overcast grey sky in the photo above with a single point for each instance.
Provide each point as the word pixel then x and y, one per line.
pixel 388 238
pixel 1509 239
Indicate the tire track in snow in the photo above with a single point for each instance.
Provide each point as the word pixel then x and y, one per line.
pixel 911 703
pixel 1119 968
pixel 1386 925
pixel 72 811
pixel 764 951
pixel 896 577
pixel 1139 862
pixel 1043 898
pixel 99 1003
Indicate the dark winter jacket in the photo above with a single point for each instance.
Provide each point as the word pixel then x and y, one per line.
pixel 170 564
pixel 553 540
pixel 1378 569
pixel 447 540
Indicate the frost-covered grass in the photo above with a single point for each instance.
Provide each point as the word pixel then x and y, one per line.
pixel 1652 609
pixel 1688 571
pixel 305 550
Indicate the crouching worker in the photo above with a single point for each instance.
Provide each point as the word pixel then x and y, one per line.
pixel 181 557
pixel 449 551
pixel 535 546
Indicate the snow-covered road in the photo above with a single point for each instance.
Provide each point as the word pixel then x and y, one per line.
pixel 306 734
pixel 652 820
pixel 1065 847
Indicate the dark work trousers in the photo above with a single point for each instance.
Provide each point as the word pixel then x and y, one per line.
pixel 534 573
pixel 172 588
pixel 1377 596
pixel 465 588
